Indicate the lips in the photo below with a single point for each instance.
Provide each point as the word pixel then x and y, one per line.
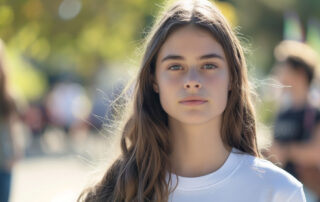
pixel 193 101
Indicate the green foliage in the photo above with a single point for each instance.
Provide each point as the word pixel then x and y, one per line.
pixel 102 32
pixel 107 31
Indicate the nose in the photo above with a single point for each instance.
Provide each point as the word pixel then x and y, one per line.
pixel 192 81
pixel 192 84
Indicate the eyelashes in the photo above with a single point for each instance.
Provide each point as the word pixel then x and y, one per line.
pixel 208 66
pixel 175 67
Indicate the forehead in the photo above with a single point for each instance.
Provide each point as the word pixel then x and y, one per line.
pixel 190 40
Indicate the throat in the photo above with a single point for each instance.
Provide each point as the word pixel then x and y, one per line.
pixel 197 149
pixel 198 162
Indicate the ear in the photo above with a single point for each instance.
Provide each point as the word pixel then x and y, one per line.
pixel 154 84
pixel 155 87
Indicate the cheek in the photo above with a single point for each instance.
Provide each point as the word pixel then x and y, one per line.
pixel 219 81
pixel 218 86
pixel 167 85
pixel 167 82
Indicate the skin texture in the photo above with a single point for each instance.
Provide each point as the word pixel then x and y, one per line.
pixel 191 76
pixel 183 69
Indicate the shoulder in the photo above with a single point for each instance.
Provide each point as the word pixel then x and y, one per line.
pixel 264 169
pixel 264 174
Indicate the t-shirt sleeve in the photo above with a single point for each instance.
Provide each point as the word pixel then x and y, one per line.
pixel 297 196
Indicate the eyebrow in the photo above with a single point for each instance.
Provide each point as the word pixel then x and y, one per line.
pixel 179 57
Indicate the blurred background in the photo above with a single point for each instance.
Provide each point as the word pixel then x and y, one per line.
pixel 66 60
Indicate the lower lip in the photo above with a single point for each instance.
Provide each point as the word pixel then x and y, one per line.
pixel 194 102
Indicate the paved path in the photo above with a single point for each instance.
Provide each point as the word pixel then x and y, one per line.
pixel 49 179
pixel 58 175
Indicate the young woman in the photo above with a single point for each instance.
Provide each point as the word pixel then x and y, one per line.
pixel 191 135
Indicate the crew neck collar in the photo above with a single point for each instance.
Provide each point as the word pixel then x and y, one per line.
pixel 195 183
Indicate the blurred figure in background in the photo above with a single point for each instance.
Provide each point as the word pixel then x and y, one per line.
pixel 35 118
pixel 8 142
pixel 68 108
pixel 296 143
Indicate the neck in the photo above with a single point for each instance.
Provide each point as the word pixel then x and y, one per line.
pixel 197 149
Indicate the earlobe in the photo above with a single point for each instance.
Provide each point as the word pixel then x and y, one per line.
pixel 155 87
pixel 154 84
pixel 229 87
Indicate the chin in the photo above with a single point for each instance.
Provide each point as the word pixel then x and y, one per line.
pixel 194 120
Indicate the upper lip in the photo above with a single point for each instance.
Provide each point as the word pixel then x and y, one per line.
pixel 193 98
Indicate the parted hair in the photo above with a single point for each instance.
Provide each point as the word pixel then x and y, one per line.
pixel 140 172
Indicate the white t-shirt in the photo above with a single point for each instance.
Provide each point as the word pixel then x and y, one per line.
pixel 242 178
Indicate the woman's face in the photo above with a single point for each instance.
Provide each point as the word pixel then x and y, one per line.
pixel 192 76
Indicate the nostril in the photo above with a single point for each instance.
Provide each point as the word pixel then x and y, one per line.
pixel 195 86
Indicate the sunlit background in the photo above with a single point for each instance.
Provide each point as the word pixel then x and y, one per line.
pixel 67 60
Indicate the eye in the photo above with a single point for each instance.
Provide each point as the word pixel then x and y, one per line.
pixel 209 66
pixel 175 67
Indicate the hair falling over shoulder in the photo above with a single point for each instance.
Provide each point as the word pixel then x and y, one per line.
pixel 140 173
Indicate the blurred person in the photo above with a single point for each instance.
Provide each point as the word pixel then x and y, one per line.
pixel 8 142
pixel 60 104
pixel 190 134
pixel 68 108
pixel 35 117
pixel 67 104
pixel 296 143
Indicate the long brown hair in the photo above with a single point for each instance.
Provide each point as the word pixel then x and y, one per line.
pixel 139 174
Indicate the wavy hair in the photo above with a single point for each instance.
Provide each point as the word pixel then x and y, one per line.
pixel 140 173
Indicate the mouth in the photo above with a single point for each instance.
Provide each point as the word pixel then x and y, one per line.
pixel 193 101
